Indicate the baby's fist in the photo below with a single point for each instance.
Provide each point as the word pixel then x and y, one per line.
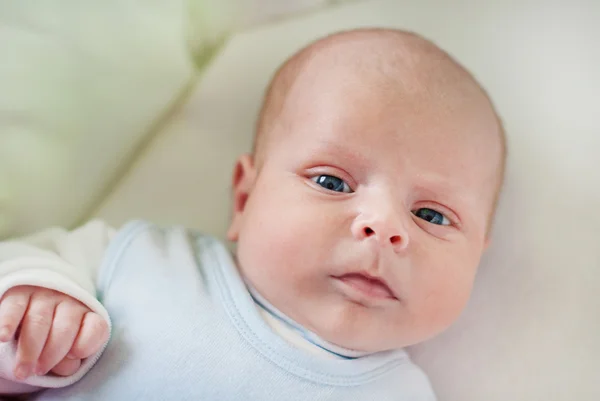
pixel 54 331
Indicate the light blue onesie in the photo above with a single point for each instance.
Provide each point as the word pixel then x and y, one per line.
pixel 186 328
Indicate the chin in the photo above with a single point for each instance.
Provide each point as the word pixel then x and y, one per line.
pixel 348 338
pixel 345 329
pixel 370 345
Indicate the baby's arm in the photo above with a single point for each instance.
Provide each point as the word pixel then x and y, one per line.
pixel 50 319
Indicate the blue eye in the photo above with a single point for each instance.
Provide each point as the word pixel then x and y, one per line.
pixel 431 216
pixel 332 183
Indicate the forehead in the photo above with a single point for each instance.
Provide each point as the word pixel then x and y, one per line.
pixel 454 126
pixel 442 134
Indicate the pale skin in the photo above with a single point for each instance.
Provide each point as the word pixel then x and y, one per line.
pixel 365 209
pixel 55 331
pixel 363 212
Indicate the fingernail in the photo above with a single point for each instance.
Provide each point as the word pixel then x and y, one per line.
pixel 71 356
pixel 22 372
pixel 40 371
pixel 4 334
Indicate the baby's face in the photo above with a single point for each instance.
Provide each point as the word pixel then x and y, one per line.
pixel 368 217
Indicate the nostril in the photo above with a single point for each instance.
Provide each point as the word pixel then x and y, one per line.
pixel 369 231
pixel 395 239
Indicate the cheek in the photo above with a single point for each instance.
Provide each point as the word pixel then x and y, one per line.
pixel 444 286
pixel 279 241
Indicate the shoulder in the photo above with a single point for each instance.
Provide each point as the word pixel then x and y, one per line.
pixel 416 383
pixel 156 242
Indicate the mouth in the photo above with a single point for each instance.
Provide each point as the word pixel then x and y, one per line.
pixel 367 285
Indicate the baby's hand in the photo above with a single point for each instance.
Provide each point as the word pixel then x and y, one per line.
pixel 54 331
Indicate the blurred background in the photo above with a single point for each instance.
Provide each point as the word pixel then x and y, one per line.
pixel 127 109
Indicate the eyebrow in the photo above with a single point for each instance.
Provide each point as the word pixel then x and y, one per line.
pixel 434 186
pixel 449 194
pixel 325 145
pixel 438 183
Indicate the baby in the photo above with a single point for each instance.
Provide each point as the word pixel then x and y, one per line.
pixel 360 219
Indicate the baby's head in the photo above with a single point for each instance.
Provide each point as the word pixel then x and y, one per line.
pixel 366 205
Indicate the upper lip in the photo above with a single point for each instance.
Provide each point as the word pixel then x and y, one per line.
pixel 370 277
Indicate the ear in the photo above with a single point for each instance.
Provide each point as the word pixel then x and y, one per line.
pixel 243 178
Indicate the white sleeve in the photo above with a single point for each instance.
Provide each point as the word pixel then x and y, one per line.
pixel 65 261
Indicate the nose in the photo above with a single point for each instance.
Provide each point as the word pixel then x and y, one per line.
pixel 386 229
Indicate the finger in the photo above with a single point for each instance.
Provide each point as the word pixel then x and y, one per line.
pixel 68 317
pixel 92 336
pixel 66 367
pixel 12 309
pixel 34 332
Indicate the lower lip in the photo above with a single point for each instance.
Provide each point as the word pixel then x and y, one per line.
pixel 357 286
